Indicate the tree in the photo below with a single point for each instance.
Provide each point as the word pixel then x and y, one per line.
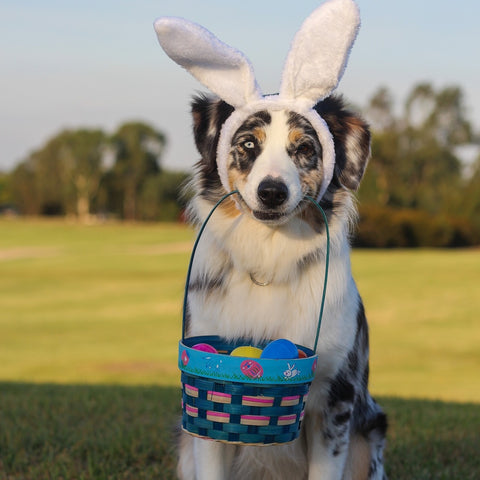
pixel 62 176
pixel 159 197
pixel 138 148
pixel 380 110
pixel 413 157
pixel 81 152
pixel 376 186
pixel 23 189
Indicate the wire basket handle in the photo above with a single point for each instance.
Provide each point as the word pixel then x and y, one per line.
pixel 200 233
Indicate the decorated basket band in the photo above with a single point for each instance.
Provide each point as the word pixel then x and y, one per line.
pixel 314 66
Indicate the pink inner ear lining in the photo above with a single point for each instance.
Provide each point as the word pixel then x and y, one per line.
pixel 275 103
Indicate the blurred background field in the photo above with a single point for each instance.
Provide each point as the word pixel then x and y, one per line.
pixel 102 304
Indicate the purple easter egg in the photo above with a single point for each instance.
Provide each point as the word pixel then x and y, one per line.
pixel 280 349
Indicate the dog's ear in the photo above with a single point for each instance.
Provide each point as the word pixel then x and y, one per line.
pixel 209 114
pixel 351 137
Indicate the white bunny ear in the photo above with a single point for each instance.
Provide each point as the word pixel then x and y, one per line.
pixel 221 68
pixel 319 52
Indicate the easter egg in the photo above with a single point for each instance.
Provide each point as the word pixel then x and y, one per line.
pixel 301 353
pixel 251 369
pixel 185 358
pixel 205 347
pixel 246 351
pixel 280 348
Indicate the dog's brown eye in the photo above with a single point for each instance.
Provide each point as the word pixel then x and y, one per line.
pixel 304 149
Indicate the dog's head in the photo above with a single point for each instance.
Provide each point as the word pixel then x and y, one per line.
pixel 275 158
pixel 275 149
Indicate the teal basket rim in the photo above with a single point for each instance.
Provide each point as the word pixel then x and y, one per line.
pixel 223 367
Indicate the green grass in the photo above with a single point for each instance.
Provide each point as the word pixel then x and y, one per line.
pixel 96 304
pixel 100 306
pixel 118 432
pixel 87 432
pixel 423 308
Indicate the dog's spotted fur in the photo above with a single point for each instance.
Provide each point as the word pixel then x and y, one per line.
pixel 267 233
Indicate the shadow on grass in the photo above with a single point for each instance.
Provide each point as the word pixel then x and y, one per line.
pixel 116 432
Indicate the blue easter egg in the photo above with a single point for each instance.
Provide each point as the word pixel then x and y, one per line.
pixel 280 348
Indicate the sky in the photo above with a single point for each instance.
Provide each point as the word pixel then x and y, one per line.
pixel 97 64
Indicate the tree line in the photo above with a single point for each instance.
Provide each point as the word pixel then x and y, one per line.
pixel 417 189
pixel 86 172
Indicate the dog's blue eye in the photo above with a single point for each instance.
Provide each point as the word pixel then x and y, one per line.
pixel 249 145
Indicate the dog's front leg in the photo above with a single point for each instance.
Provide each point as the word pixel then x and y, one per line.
pixel 328 435
pixel 323 462
pixel 212 460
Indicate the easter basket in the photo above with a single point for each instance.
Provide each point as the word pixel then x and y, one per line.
pixel 236 399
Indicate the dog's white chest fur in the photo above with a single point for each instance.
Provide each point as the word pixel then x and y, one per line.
pixel 289 305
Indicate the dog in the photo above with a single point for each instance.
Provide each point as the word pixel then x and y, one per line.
pixel 259 274
pixel 259 268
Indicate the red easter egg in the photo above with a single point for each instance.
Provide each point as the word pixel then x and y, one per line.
pixel 185 357
pixel 301 353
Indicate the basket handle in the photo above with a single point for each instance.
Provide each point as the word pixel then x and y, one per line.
pixel 195 245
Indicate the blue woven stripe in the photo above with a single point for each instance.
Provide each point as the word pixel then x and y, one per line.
pixel 248 437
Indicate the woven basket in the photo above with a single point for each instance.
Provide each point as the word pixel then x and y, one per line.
pixel 241 400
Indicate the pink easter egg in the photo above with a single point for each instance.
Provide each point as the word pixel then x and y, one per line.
pixel 205 347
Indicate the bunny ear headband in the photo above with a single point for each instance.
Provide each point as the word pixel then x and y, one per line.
pixel 314 66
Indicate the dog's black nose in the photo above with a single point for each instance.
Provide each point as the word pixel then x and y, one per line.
pixel 272 192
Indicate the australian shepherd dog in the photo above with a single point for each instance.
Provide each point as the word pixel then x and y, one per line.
pixel 259 273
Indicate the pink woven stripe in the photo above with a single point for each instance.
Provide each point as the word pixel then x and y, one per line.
pixel 219 397
pixel 259 420
pixel 218 414
pixel 289 401
pixel 261 401
pixel 218 417
pixel 191 391
pixel 287 419
pixel 192 411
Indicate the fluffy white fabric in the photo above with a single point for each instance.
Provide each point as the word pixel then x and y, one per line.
pixel 314 66
pixel 221 68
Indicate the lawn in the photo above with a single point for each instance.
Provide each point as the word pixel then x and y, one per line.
pixel 97 304
pixel 85 309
